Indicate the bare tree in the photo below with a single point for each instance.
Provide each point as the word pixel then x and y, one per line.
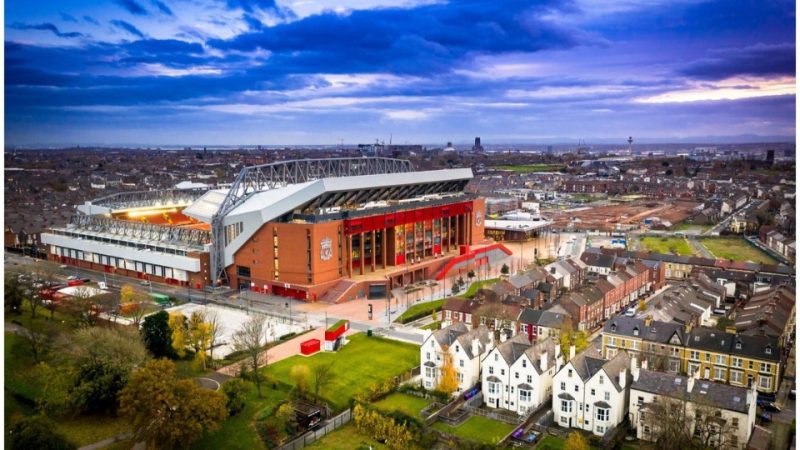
pixel 41 336
pixel 322 377
pixel 677 423
pixel 251 339
pixel 216 330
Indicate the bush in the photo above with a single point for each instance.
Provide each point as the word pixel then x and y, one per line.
pixel 236 391
pixel 38 432
pixel 287 336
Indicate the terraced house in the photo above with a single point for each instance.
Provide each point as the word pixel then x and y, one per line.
pixel 737 359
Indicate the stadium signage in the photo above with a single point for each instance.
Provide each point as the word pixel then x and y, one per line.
pixel 326 249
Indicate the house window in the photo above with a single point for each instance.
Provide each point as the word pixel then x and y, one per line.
pixel 736 362
pixel 493 388
pixel 576 388
pixel 516 375
pixel 563 386
pixel 524 395
pixel 524 363
pixel 457 349
pixel 674 366
pixel 640 402
pixel 719 359
pixel 719 373
pixel 428 356
pixel 768 350
pixel 601 379
pixel 736 376
pixel 566 406
pixel 765 367
pixel 461 363
pixel 764 382
pixel 502 371
pixel 602 414
pixel 735 422
pixel 607 396
pixel 708 357
pixel 563 420
pixel 569 373
pixel 491 370
pixel 592 391
pixel 495 357
pixel 694 355
pixel 601 430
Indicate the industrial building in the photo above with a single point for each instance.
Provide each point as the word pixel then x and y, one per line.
pixel 324 229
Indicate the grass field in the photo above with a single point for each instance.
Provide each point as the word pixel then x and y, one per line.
pixel 433 326
pixel 550 442
pixel 238 432
pixel 419 311
pixel 406 404
pixel 473 289
pixel 737 249
pixel 346 438
pixel 673 245
pixel 531 168
pixel 365 360
pixel 691 227
pixel 478 429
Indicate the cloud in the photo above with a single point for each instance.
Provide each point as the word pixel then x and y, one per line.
pixel 252 6
pixel 67 18
pixel 132 6
pixel 756 60
pixel 91 20
pixel 162 7
pixel 46 27
pixel 125 26
pixel 729 89
pixel 407 114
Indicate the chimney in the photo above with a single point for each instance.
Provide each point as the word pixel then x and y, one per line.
pixel 571 352
pixel 543 361
pixel 644 364
pixel 647 321
pixel 476 348
pixel 634 369
pixel 623 378
pixel 730 329
pixel 688 328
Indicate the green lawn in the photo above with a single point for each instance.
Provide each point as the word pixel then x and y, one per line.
pixel 419 311
pixel 670 245
pixel 433 326
pixel 588 198
pixel 346 438
pixel 363 361
pixel 404 403
pixel 238 432
pixel 531 168
pixel 683 226
pixel 478 429
pixel 473 289
pixel 550 442
pixel 737 249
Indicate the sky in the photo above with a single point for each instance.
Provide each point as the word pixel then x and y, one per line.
pixel 293 72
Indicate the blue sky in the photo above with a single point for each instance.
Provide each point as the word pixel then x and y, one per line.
pixel 191 72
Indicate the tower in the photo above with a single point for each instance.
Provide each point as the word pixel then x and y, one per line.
pixel 477 147
pixel 630 145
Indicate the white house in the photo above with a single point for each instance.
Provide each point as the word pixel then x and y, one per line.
pixel 518 376
pixel 466 348
pixel 591 393
pixel 727 414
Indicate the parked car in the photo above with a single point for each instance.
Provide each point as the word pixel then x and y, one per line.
pixel 765 417
pixel 769 406
pixel 144 283
pixel 64 266
pixel 630 312
pixel 72 277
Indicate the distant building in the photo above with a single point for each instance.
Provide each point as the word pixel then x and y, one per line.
pixel 477 147
pixel 770 156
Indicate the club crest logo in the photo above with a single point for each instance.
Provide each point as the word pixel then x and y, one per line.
pixel 326 249
pixel 478 218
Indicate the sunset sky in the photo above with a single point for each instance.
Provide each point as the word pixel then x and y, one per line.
pixel 191 72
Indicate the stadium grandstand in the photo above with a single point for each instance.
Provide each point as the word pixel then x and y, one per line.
pixel 312 229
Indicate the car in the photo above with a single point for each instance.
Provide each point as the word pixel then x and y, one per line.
pixel 630 312
pixel 765 417
pixel 72 277
pixel 769 406
pixel 144 283
pixel 64 266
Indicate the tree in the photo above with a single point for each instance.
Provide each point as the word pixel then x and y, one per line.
pixel 133 303
pixel 299 376
pixel 14 293
pixel 569 337
pixel 576 441
pixel 167 412
pixel 177 323
pixel 41 337
pixel 504 270
pixel 215 332
pixel 448 382
pixel 322 377
pixel 157 335
pixel 37 432
pixel 101 361
pixel 236 391
pixel 471 274
pixel 199 336
pixel 82 305
pixel 434 317
pixel 251 339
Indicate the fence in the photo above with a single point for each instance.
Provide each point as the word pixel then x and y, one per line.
pixel 314 435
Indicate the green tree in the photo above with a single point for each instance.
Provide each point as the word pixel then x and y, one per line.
pixel 157 335
pixel 37 432
pixel 167 412
pixel 14 293
pixel 236 391
pixel 504 270
pixel 576 441
pixel 300 376
pixel 323 375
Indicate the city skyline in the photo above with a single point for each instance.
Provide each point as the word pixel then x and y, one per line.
pixel 260 72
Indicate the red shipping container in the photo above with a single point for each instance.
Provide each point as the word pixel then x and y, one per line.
pixel 310 346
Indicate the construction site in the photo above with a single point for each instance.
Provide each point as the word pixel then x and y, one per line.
pixel 617 216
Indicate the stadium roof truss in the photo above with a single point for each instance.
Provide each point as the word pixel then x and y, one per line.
pixel 142 230
pixel 254 179
pixel 134 199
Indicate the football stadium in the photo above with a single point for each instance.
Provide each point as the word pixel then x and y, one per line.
pixel 311 229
